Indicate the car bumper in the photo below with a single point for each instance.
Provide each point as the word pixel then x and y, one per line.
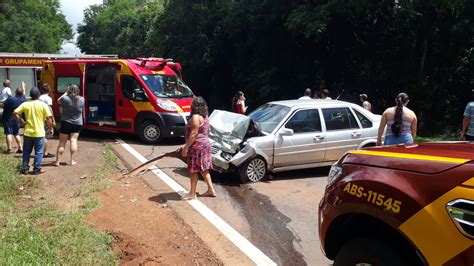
pixel 322 230
pixel 218 163
pixel 223 164
pixel 174 124
pixel 326 213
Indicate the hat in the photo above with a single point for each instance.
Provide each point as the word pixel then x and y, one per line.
pixel 35 93
pixel 363 95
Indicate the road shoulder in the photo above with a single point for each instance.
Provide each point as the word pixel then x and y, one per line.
pixel 223 248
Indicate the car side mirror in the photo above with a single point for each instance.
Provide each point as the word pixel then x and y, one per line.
pixel 285 132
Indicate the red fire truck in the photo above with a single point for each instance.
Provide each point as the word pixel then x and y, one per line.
pixel 144 96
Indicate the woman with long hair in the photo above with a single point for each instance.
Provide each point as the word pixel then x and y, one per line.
pixel 401 123
pixel 238 103
pixel 197 149
pixel 71 121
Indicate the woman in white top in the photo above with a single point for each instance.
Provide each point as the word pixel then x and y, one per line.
pixel 401 123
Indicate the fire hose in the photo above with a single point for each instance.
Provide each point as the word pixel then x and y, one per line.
pixel 149 163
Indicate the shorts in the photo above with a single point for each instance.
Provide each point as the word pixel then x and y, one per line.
pixel 68 128
pixel 392 139
pixel 11 127
pixel 469 137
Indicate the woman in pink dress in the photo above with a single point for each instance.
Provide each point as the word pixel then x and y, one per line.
pixel 197 149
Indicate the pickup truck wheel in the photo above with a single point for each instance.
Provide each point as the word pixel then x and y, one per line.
pixel 253 170
pixel 369 251
pixel 150 132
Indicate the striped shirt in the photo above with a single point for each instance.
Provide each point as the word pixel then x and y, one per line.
pixel 406 129
pixel 469 113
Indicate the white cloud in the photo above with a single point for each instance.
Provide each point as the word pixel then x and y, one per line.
pixel 74 12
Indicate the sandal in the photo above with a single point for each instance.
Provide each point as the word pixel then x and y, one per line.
pixel 188 197
pixel 211 194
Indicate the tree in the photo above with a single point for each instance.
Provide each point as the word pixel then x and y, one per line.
pixel 117 27
pixel 32 26
pixel 273 50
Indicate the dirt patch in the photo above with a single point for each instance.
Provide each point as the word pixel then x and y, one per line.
pixel 145 232
pixel 62 184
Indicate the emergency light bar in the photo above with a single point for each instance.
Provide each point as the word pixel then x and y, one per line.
pixel 160 63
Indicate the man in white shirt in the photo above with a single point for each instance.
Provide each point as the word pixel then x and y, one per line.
pixel 467 131
pixel 307 94
pixel 365 103
pixel 6 91
pixel 44 97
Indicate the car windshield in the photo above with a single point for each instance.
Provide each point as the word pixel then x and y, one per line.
pixel 167 86
pixel 268 116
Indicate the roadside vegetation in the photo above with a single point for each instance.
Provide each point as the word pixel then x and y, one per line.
pixel 37 233
pixel 273 50
pixel 440 138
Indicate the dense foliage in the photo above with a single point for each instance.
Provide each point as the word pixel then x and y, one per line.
pixel 32 26
pixel 275 49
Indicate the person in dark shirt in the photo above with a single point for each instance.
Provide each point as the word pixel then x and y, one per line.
pixel 11 126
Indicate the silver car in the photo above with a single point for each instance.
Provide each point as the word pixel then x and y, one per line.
pixel 288 135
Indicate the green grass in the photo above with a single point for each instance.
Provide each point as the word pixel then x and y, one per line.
pixel 39 234
pixel 440 138
pixel 97 181
pixel 44 236
pixel 10 181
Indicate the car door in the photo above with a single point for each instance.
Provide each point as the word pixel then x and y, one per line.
pixel 368 129
pixel 307 143
pixel 129 91
pixel 342 131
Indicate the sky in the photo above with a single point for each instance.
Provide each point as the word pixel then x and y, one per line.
pixel 74 12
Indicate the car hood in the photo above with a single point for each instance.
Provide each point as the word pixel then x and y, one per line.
pixel 229 130
pixel 426 158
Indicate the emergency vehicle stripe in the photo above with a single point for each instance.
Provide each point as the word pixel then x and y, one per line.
pixel 143 106
pixel 434 233
pixel 412 156
pixel 469 182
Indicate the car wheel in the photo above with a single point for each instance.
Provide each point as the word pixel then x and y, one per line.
pixel 368 145
pixel 150 132
pixel 369 251
pixel 254 170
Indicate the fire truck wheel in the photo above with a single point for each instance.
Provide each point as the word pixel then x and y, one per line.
pixel 369 251
pixel 150 132
pixel 253 170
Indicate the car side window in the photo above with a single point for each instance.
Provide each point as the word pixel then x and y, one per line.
pixel 364 121
pixel 129 85
pixel 339 118
pixel 305 121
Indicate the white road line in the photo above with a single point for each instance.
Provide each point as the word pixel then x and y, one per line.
pixel 255 254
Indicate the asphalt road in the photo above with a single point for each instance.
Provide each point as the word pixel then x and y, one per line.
pixel 278 216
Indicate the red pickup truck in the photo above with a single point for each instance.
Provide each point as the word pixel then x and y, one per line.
pixel 401 205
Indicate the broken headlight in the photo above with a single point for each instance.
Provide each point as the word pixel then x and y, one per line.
pixel 227 156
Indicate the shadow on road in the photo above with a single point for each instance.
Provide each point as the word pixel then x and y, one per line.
pixel 129 138
pixel 165 197
pixel 320 172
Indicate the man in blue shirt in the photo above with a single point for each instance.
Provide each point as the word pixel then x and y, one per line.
pixel 11 126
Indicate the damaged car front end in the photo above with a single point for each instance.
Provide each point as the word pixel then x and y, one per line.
pixel 230 137
pixel 244 144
